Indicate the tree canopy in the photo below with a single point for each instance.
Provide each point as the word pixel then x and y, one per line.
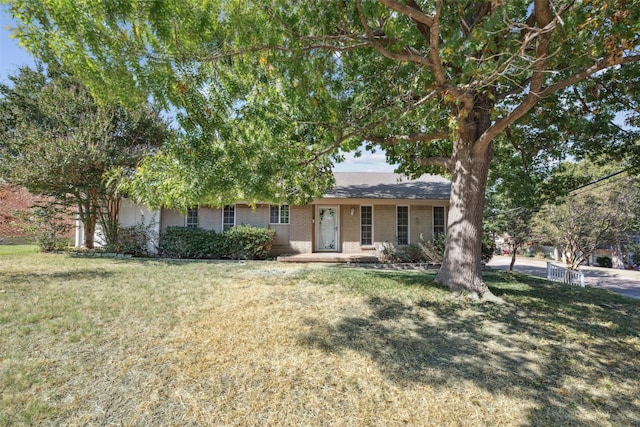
pixel 55 140
pixel 269 92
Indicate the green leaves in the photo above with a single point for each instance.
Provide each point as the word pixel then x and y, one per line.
pixel 593 215
pixel 268 92
pixel 56 140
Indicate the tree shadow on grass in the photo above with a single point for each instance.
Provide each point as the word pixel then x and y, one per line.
pixel 563 349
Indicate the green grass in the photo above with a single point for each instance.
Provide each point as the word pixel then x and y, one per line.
pixel 140 342
pixel 17 249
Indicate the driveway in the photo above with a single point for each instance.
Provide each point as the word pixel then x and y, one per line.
pixel 624 282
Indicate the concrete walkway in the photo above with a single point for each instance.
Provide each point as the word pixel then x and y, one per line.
pixel 624 282
pixel 329 257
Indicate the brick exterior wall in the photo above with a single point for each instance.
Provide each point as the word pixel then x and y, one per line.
pixel 13 199
pixel 384 224
pixel 301 229
pixel 210 219
pixel 299 235
pixel 258 217
pixel 420 223
pixel 171 218
pixel 350 228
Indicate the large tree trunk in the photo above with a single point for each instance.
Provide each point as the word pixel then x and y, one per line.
pixel 461 267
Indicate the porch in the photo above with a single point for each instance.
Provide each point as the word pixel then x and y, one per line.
pixel 330 257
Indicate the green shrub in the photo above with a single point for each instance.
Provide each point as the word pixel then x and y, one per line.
pixel 248 242
pixel 411 253
pixel 433 249
pixel 188 242
pixel 132 240
pixel 389 253
pixel 604 261
pixel 240 242
pixel 47 224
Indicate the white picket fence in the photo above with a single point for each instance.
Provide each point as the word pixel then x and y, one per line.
pixel 557 273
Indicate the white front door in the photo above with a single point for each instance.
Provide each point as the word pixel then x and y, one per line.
pixel 327 228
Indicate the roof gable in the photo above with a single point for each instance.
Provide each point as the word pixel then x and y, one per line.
pixel 378 185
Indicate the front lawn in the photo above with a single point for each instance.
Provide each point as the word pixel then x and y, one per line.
pixel 157 342
pixel 18 249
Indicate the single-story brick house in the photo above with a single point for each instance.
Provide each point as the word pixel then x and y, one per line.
pixel 362 211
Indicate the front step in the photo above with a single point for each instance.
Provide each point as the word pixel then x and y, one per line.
pixel 329 257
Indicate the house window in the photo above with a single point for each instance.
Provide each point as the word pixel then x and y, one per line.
pixel 191 220
pixel 438 221
pixel 228 217
pixel 402 220
pixel 279 214
pixel 366 225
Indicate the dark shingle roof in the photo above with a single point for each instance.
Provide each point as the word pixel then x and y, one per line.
pixel 374 185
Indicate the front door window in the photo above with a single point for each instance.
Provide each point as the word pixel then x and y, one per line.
pixel 327 229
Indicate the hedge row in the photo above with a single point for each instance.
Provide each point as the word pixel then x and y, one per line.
pixel 240 242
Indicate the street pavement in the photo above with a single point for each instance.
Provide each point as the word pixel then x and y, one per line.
pixel 624 282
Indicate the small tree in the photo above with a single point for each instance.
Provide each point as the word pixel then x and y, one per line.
pixel 56 140
pixel 515 222
pixel 517 186
pixel 48 225
pixel 591 217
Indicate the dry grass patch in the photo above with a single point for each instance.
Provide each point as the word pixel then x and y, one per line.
pixel 96 341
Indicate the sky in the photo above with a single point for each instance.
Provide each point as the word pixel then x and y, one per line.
pixel 12 57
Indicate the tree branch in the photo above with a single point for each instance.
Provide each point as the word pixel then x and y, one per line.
pixel 599 66
pixel 501 68
pixel 415 137
pixel 429 27
pixel 363 130
pixel 434 49
pixel 412 12
pixel 531 100
pixel 306 48
pixel 375 43
pixel 546 23
pixel 437 67
pixel 423 28
pixel 444 162
pixel 475 15
pixel 515 90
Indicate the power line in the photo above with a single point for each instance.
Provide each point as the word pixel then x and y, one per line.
pixel 599 179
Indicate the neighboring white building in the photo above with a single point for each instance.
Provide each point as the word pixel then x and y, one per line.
pixel 130 214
